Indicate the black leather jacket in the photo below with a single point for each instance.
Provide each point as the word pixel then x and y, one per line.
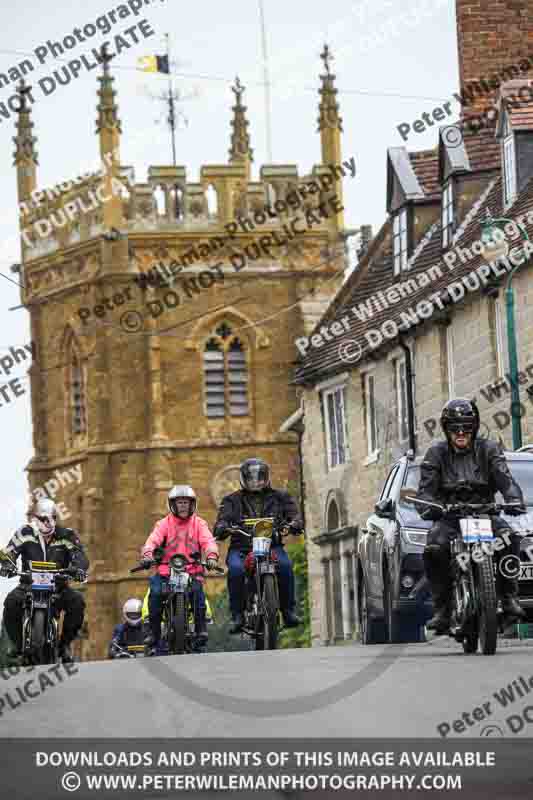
pixel 445 471
pixel 268 503
pixel 65 549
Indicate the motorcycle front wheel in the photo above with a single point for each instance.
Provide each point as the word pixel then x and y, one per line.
pixel 487 606
pixel 270 612
pixel 37 652
pixel 178 629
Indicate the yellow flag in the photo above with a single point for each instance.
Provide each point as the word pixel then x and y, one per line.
pixel 147 63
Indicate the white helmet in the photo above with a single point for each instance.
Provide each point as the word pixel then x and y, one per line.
pixel 132 611
pixel 182 492
pixel 45 513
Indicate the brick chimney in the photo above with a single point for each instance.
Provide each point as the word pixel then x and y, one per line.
pixel 495 44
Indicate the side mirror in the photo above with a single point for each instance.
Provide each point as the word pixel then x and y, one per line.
pixel 384 508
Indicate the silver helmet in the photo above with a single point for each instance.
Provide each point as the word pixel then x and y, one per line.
pixel 44 512
pixel 132 610
pixel 182 492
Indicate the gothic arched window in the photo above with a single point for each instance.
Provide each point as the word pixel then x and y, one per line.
pixel 225 375
pixel 77 396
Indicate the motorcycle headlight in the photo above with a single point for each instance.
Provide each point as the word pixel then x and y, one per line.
pixel 178 562
pixel 414 535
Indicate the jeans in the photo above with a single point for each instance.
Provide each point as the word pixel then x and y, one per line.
pixel 155 605
pixel 237 580
pixel 69 601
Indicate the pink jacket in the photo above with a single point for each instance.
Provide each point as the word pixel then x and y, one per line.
pixel 181 537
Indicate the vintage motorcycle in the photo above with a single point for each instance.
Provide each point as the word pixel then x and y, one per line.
pixel 474 617
pixel 261 611
pixel 40 632
pixel 177 627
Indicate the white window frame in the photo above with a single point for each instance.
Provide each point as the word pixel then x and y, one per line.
pixel 401 398
pixel 400 235
pixel 371 416
pixel 499 337
pixel 509 169
pixel 450 362
pixel 447 215
pixel 339 425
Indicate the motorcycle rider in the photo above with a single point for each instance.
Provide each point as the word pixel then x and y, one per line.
pixel 130 631
pixel 257 498
pixel 181 532
pixel 465 469
pixel 43 540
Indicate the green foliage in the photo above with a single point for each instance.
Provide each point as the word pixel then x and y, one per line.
pixel 6 649
pixel 301 636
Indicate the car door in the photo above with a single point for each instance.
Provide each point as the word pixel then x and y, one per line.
pixel 391 531
pixel 376 527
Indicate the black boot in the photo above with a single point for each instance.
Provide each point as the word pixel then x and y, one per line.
pixel 201 631
pixel 236 625
pixel 436 567
pixel 65 653
pixel 512 609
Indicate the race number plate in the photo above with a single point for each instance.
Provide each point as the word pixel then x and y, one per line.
pixel 476 530
pixel 42 580
pixel 179 581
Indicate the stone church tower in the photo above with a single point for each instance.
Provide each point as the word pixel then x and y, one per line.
pixel 146 385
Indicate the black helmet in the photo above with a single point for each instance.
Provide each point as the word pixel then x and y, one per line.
pixel 460 415
pixel 255 475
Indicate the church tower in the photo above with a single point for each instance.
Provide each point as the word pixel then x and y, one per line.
pixel 146 384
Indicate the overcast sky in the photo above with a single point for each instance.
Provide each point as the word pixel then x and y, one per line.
pixel 391 65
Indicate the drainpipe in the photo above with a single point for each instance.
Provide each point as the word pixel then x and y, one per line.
pixel 301 470
pixel 410 402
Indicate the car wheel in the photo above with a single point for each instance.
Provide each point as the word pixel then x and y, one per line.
pixel 372 632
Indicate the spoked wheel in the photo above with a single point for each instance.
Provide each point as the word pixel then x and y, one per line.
pixel 38 637
pixel 270 611
pixel 487 606
pixel 178 628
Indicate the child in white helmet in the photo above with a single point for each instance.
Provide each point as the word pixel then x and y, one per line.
pixel 129 632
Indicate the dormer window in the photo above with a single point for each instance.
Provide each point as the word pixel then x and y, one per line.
pixel 509 163
pixel 400 241
pixel 447 218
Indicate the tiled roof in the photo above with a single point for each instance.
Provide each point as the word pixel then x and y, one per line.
pixel 519 110
pixel 483 149
pixel 326 360
pixel 425 164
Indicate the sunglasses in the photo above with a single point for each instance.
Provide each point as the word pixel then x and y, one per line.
pixel 45 520
pixel 457 427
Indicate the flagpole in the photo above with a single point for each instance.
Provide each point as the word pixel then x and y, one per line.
pixel 267 84
pixel 171 114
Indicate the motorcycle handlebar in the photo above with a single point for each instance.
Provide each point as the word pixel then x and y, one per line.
pixel 203 564
pixel 460 507
pixel 283 531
